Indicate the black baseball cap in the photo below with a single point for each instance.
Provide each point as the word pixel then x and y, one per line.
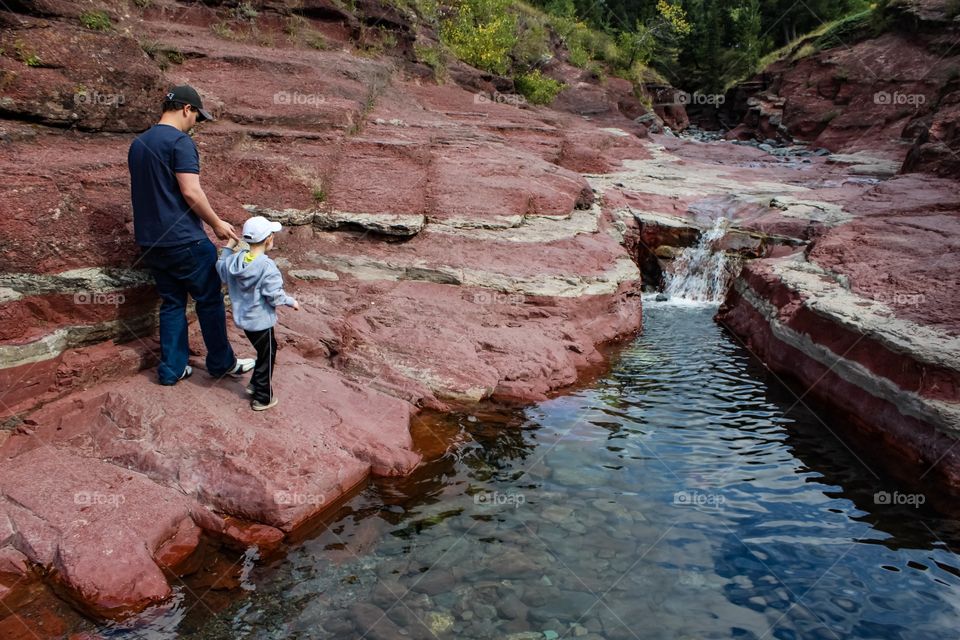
pixel 185 94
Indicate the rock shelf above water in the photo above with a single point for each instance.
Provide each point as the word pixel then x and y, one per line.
pixel 445 251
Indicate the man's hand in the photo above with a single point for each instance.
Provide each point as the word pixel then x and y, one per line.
pixel 296 306
pixel 224 230
pixel 192 192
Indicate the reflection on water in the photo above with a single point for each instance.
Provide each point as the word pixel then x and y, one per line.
pixel 680 496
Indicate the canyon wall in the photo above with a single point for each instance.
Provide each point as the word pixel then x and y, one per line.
pixel 886 83
pixel 442 242
pixel 866 317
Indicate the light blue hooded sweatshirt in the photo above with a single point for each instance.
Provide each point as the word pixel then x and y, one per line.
pixel 256 288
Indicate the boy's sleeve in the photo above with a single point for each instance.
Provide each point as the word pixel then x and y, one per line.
pixel 222 262
pixel 272 289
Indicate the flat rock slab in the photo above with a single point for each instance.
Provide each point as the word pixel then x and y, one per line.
pixel 280 467
pixel 103 532
pixel 477 343
pixel 401 225
pixel 902 250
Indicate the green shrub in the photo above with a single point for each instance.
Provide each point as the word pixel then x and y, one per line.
pixel 96 20
pixel 610 52
pixel 223 30
pixel 563 26
pixel 538 88
pixel 388 38
pixel 482 33
pixel 578 56
pixel 293 25
pixel 150 47
pixel 245 11
pixel 561 8
pixel 319 193
pixel 374 41
pixel 429 10
pixel 846 30
pixel 175 56
pixel 596 42
pixel 636 46
pixel 533 44
pixel 598 71
pixel 579 40
pixel 315 40
pixel 163 56
pixel 433 57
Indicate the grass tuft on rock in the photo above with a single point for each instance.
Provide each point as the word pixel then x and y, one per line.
pixel 96 20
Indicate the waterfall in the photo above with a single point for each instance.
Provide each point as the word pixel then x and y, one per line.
pixel 701 273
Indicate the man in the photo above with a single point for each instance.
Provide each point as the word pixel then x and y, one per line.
pixel 169 209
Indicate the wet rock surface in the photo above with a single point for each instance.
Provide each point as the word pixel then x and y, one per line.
pixel 446 250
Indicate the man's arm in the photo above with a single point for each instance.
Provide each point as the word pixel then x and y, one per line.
pixel 197 199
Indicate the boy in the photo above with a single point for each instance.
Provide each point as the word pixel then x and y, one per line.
pixel 256 288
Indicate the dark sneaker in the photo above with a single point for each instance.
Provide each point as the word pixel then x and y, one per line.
pixel 257 406
pixel 249 389
pixel 243 365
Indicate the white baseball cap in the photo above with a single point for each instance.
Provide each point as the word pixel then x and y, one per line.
pixel 257 228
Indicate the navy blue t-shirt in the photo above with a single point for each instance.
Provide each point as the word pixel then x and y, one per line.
pixel 161 215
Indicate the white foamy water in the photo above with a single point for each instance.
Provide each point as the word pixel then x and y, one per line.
pixel 701 273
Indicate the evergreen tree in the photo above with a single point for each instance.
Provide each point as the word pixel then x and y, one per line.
pixel 703 45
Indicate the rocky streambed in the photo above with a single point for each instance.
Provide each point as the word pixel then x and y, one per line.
pixel 456 313
pixel 446 249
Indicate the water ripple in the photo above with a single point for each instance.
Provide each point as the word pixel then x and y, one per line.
pixel 680 496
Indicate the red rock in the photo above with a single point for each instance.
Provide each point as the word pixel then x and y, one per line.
pixel 34 383
pixel 506 291
pixel 504 187
pixel 832 99
pixel 64 84
pixel 12 561
pixel 252 533
pixel 98 529
pixel 38 209
pixel 886 360
pixel 908 447
pixel 202 438
pixel 905 257
pixel 937 140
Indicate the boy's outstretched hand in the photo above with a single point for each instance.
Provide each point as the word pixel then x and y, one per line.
pixel 232 244
pixel 296 306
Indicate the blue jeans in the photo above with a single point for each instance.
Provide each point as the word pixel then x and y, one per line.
pixel 189 268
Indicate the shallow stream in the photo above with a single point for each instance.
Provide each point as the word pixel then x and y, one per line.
pixel 684 494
